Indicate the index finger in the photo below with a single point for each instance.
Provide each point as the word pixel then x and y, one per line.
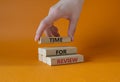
pixel 47 22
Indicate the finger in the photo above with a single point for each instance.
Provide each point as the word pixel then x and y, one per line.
pixel 46 23
pixel 72 28
pixel 55 34
pixel 54 31
pixel 54 28
pixel 48 33
pixel 53 15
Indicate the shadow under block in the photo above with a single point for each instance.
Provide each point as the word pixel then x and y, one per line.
pixel 66 59
pixel 54 40
pixel 56 51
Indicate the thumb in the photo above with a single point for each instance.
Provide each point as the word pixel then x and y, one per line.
pixel 72 28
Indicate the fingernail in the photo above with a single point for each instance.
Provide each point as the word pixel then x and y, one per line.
pixel 72 38
pixel 36 38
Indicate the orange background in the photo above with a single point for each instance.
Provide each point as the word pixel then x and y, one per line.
pixel 97 38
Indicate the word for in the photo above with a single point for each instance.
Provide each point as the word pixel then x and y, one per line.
pixel 61 52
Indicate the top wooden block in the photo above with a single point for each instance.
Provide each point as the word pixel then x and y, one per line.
pixel 54 40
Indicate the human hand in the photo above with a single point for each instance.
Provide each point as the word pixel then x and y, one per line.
pixel 69 9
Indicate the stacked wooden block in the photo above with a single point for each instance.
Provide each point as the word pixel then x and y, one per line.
pixel 58 55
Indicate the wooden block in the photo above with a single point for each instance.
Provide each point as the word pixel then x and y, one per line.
pixel 40 58
pixel 54 40
pixel 66 59
pixel 52 51
pixel 44 59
